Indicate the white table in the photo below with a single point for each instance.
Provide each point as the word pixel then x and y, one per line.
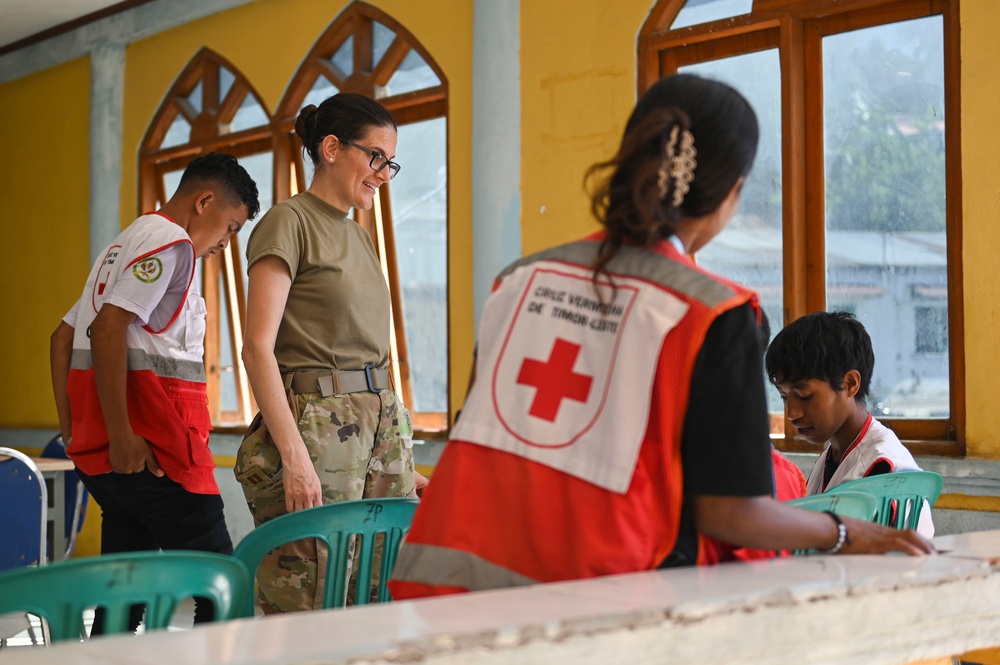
pixel 872 609
pixel 53 470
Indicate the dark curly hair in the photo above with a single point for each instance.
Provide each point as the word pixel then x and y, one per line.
pixel 222 171
pixel 822 345
pixel 628 203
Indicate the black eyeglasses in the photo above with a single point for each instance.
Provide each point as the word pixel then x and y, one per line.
pixel 379 161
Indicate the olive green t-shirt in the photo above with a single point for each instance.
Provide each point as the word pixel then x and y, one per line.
pixel 337 314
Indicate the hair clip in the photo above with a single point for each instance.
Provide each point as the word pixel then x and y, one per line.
pixel 678 164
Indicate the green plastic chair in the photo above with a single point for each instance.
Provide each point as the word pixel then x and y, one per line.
pixel 335 525
pixel 900 495
pixel 858 505
pixel 61 591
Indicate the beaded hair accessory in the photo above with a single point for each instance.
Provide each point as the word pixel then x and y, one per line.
pixel 678 164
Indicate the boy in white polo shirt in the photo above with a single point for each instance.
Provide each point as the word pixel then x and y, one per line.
pixel 128 371
pixel 822 366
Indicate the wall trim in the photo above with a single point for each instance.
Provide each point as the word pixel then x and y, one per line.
pixel 122 28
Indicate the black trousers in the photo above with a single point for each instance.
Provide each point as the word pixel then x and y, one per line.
pixel 144 513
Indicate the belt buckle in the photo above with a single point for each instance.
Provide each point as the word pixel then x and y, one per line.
pixel 371 378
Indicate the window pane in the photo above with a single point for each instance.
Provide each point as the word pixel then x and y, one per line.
pixel 885 205
pixel 249 114
pixel 321 89
pixel 260 167
pixel 703 11
pixel 178 133
pixel 170 182
pixel 413 74
pixel 226 79
pixel 344 57
pixel 381 39
pixel 420 222
pixel 227 373
pixel 194 99
pixel 748 250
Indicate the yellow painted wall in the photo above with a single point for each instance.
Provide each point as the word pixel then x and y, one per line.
pixel 44 192
pixel 578 87
pixel 981 217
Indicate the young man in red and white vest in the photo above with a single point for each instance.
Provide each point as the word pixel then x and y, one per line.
pixel 822 365
pixel 128 369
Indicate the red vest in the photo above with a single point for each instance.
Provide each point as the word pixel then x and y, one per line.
pixel 494 518
pixel 166 393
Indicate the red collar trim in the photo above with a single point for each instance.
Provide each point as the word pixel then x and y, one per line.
pixel 161 214
pixel 850 448
pixel 861 435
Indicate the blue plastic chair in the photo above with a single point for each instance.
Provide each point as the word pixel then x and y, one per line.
pixel 858 505
pixel 24 505
pixel 60 592
pixel 75 497
pixel 337 525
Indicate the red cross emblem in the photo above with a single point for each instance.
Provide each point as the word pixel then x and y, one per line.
pixel 554 380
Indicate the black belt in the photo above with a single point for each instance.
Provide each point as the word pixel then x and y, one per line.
pixel 338 382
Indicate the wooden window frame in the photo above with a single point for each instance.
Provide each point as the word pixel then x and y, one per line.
pixel 796 29
pixel 155 162
pixel 407 108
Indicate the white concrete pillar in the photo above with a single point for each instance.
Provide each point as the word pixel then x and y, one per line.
pixel 496 143
pixel 107 89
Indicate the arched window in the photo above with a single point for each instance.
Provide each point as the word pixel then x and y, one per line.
pixel 854 202
pixel 366 51
pixel 212 107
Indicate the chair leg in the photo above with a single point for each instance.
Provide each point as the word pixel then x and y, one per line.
pixel 75 526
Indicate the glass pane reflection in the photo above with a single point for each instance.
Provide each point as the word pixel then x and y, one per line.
pixel 420 222
pixel 344 57
pixel 413 74
pixel 885 206
pixel 704 11
pixel 749 249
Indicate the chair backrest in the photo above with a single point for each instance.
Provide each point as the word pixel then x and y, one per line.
pixel 900 495
pixel 61 591
pixel 24 505
pixel 335 525
pixel 75 496
pixel 849 504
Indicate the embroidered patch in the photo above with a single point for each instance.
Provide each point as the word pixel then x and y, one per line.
pixel 148 271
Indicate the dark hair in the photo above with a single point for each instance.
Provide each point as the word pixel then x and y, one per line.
pixel 222 171
pixel 629 203
pixel 822 345
pixel 346 115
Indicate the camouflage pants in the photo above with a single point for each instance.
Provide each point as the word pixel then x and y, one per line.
pixel 354 443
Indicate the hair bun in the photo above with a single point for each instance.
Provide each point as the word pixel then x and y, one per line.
pixel 305 124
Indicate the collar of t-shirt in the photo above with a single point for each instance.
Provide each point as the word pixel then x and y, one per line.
pixel 678 244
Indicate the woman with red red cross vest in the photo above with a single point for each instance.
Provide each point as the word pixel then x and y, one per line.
pixel 618 406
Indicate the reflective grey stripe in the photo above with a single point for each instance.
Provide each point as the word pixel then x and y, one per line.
pixel 170 368
pixel 638 262
pixel 443 566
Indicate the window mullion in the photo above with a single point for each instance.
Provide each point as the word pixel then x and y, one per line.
pixel 794 122
pixel 953 229
pixel 814 274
